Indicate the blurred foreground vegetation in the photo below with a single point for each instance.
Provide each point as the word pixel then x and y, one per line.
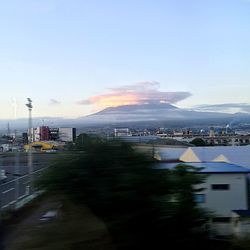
pixel 143 207
pixel 75 228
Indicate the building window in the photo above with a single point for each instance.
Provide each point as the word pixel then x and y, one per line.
pixel 220 186
pixel 222 219
pixel 200 198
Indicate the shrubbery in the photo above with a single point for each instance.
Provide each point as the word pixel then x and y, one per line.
pixel 142 206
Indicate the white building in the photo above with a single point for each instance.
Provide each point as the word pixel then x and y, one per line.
pixel 35 134
pixel 5 147
pixel 45 134
pixel 122 132
pixel 225 190
pixel 67 134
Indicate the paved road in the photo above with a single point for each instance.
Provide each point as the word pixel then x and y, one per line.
pixel 17 184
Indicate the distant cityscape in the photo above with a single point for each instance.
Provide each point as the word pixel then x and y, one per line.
pixel 220 151
pixel 40 138
pixel 213 135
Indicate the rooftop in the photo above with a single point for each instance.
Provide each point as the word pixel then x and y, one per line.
pixel 208 167
pixel 239 155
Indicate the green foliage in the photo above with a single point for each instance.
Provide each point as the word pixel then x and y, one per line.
pixel 198 142
pixel 75 228
pixel 84 141
pixel 186 211
pixel 141 205
pixel 240 243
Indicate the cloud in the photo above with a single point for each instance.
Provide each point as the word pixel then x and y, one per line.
pixel 225 107
pixel 138 93
pixel 139 86
pixel 53 102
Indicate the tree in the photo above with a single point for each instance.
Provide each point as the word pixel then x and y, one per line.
pixel 84 140
pixel 188 215
pixel 198 142
pixel 124 188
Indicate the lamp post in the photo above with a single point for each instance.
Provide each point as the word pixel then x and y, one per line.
pixel 29 105
pixel 30 140
pixel 17 174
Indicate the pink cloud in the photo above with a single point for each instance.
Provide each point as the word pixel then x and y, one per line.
pixel 138 93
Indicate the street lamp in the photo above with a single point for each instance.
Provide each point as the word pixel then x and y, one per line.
pixel 29 105
pixel 30 140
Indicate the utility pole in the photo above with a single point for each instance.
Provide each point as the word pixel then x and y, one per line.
pixel 8 130
pixel 17 174
pixel 30 140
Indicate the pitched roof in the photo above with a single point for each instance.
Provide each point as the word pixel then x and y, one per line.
pixel 208 167
pixel 239 155
pixel 169 154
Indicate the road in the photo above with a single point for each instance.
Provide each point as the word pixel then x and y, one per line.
pixel 17 185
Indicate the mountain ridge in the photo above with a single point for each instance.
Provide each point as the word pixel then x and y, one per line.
pixel 151 113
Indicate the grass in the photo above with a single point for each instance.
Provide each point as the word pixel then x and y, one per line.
pixel 12 217
pixel 75 228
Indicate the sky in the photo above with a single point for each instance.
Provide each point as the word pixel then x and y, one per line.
pixel 73 58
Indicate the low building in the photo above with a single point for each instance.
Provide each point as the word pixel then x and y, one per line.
pixel 67 134
pixel 54 134
pixel 122 132
pixel 44 146
pixel 5 147
pixel 45 133
pixel 227 140
pixel 224 191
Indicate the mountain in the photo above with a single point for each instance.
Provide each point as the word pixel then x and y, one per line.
pixel 142 115
pixel 148 112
